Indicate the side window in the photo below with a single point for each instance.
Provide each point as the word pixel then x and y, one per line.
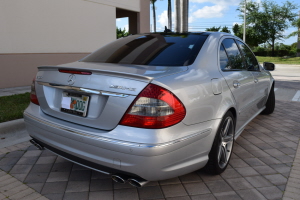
pixel 234 55
pixel 224 62
pixel 250 60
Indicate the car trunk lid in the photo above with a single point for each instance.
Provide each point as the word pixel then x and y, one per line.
pixel 97 98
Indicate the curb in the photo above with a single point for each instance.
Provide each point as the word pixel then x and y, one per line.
pixel 11 127
pixel 13 132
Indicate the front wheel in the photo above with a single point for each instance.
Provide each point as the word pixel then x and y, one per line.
pixel 221 151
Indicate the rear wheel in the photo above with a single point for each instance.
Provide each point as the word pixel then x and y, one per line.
pixel 270 104
pixel 221 151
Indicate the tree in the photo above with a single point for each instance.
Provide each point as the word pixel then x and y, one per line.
pixel 280 49
pixel 225 30
pixel 296 23
pixel 154 14
pixel 169 15
pixel 121 33
pixel 268 19
pixel 214 29
pixel 253 39
pixel 217 29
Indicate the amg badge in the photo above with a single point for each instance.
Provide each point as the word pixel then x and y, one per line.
pixel 122 87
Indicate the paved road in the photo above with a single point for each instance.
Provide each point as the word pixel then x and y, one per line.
pixel 287 76
pixel 287 85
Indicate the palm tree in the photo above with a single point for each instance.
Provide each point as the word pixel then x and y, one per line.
pixel 296 23
pixel 169 15
pixel 154 14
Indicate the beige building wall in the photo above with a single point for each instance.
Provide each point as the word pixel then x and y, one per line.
pixel 144 16
pixel 133 5
pixel 51 32
pixel 19 69
pixel 54 26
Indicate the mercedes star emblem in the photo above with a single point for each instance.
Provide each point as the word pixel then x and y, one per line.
pixel 71 79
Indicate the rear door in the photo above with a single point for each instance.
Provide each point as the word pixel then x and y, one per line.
pixel 261 79
pixel 238 78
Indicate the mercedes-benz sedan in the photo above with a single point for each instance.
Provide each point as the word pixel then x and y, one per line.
pixel 151 106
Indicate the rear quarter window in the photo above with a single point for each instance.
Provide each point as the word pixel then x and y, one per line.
pixel 235 58
pixel 224 62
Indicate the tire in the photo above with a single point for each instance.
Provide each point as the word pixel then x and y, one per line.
pixel 221 150
pixel 270 104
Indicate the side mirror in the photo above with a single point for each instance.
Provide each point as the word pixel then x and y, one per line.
pixel 269 66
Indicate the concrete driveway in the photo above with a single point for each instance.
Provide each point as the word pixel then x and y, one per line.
pixel 265 165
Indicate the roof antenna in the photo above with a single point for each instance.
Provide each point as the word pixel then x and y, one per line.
pixel 167 30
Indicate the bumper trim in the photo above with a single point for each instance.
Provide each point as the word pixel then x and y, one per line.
pixel 202 133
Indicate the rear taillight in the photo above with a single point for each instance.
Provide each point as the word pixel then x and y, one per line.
pixel 155 107
pixel 33 97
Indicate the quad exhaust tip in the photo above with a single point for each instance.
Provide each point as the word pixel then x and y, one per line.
pixel 40 147
pixel 135 182
pixel 118 178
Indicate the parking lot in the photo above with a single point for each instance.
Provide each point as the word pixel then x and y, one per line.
pixel 264 165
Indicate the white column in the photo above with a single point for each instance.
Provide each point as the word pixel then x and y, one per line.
pixel 181 15
pixel 244 33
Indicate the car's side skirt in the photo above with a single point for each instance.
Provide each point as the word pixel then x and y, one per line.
pixel 237 133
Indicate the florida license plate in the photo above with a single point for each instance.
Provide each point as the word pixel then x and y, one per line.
pixel 76 104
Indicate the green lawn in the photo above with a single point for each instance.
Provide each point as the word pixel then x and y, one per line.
pixel 12 107
pixel 279 60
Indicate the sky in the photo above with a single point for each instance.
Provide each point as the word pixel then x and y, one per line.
pixel 203 14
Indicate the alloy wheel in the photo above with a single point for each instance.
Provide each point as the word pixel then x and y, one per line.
pixel 226 142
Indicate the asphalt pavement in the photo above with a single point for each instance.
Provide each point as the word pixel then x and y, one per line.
pixel 287 82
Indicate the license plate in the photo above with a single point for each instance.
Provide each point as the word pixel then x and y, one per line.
pixel 76 104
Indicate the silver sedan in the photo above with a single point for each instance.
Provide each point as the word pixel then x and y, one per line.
pixel 151 106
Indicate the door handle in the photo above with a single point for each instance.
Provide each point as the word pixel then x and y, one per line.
pixel 236 84
pixel 255 80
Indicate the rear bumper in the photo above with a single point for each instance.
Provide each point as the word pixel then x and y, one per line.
pixel 150 161
pixel 80 161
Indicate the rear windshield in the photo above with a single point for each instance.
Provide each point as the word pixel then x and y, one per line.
pixel 151 49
